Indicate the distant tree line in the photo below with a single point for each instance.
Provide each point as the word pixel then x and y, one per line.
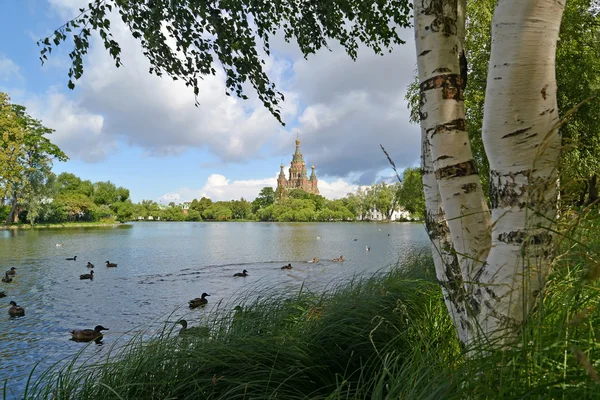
pixel 380 199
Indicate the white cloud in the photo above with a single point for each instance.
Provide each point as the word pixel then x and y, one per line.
pixel 78 132
pixel 9 71
pixel 219 188
pixel 342 109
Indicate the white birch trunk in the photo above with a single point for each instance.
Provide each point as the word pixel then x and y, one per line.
pixel 523 145
pixel 439 36
pixel 447 268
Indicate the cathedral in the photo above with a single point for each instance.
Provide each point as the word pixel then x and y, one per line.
pixel 298 178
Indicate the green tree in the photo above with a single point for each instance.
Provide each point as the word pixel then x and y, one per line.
pixel 105 193
pixel 240 209
pixel 67 182
pixel 410 193
pixel 26 156
pixel 265 198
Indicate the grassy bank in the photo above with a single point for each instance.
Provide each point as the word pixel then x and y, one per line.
pixel 388 336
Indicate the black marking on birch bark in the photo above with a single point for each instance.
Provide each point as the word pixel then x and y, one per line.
pixel 520 237
pixel 424 53
pixel 469 187
pixel 451 85
pixel 491 293
pixel 464 69
pixel 547 111
pixel 422 102
pixel 444 22
pixel 466 168
pixel 544 94
pixel 458 124
pixel 509 193
pixel 442 70
pixel 516 133
pixel 498 78
pixel 444 157
pixel 526 138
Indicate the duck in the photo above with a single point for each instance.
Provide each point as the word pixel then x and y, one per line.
pixel 315 260
pixel 199 301
pixel 355 240
pixel 15 310
pixel 87 276
pixel 87 335
pixel 2 294
pixel 110 265
pixel 90 265
pixel 7 278
pixel 368 248
pixel 12 271
pixel 340 259
pixel 243 273
pixel 71 258
pixel 58 244
pixel 193 331
pixel 289 266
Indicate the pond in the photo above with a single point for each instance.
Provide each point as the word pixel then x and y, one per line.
pixel 161 266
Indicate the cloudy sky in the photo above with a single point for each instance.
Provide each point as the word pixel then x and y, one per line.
pixel 144 132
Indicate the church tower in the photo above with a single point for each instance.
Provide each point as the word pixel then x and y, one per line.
pixel 298 176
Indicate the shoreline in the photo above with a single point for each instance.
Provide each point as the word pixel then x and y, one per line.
pixel 66 225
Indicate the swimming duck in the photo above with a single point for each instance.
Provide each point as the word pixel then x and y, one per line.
pixel 199 301
pixel 315 260
pixel 87 335
pixel 58 244
pixel 12 271
pixel 90 265
pixel 15 310
pixel 6 279
pixel 71 258
pixel 368 248
pixel 109 264
pixel 340 259
pixel 243 273
pixel 289 266
pixel 87 276
pixel 193 331
pixel 2 294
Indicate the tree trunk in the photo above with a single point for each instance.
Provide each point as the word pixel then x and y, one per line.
pixel 439 36
pixel 447 268
pixel 522 142
pixel 13 216
pixel 593 189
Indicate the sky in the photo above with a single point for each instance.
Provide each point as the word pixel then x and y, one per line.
pixel 145 133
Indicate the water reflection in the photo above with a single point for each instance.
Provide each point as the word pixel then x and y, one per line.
pixel 161 266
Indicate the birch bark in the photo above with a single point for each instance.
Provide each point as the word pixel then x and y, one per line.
pixel 439 36
pixel 522 142
pixel 447 268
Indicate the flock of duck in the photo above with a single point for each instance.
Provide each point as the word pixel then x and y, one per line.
pixel 88 335
pixel 78 335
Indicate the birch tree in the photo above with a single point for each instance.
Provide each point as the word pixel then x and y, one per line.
pixel 490 262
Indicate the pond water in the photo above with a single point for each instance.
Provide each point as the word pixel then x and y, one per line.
pixel 160 267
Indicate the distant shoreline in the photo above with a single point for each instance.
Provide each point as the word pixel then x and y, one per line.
pixel 66 225
pixel 115 224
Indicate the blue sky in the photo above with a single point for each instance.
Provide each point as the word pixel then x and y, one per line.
pixel 144 133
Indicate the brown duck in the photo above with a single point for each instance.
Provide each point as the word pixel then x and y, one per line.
pixel 87 335
pixel 87 276
pixel 15 310
pixel 199 301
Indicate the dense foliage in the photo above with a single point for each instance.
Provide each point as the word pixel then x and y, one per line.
pixel 578 79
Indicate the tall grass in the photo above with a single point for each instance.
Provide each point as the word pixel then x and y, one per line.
pixel 383 337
